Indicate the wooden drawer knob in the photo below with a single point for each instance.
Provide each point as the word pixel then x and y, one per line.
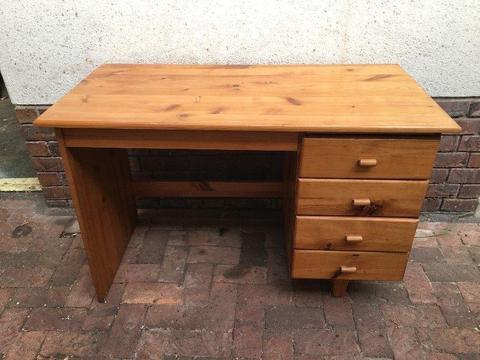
pixel 361 202
pixel 367 162
pixel 348 269
pixel 354 238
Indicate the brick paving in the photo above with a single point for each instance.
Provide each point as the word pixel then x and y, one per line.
pixel 222 292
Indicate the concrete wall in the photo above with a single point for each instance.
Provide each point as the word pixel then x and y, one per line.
pixel 47 46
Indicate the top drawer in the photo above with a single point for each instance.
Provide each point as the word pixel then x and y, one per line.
pixel 368 158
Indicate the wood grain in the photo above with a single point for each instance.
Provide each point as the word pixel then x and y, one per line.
pixel 377 234
pixel 207 189
pixel 289 201
pixel 393 198
pixel 316 98
pixel 395 158
pixel 104 203
pixel 317 264
pixel 200 140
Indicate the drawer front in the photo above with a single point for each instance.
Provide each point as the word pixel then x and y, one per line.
pixel 318 264
pixel 368 158
pixel 350 233
pixel 393 198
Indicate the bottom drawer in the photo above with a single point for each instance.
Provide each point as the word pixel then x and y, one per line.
pixel 351 265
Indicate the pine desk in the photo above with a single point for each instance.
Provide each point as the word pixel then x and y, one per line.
pixel 359 143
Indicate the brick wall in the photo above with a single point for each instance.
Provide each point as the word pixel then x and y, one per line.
pixel 454 186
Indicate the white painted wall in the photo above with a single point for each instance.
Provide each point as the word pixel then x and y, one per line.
pixel 47 46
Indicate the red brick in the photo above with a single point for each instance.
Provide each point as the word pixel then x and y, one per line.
pixel 439 272
pixel 137 273
pixel 38 148
pixel 338 312
pixel 125 332
pixel 5 297
pixel 326 342
pixel 35 133
pixel 250 314
pixel 456 255
pixel 451 159
pixel 405 343
pixel 152 293
pixel 455 340
pixel 53 148
pixel 56 192
pixel 240 274
pixel 214 255
pixel 66 273
pixel 454 107
pixel 173 265
pixel 371 331
pixel 214 316
pixel 153 247
pixel 47 164
pixel 309 294
pixel 474 161
pixel 265 294
pixel 213 237
pixel 442 190
pixel 291 317
pixel 452 305
pixel 438 176
pixel 431 204
pixel 198 276
pixel 418 286
pixel 426 254
pixel 44 319
pixel 470 291
pixel 82 292
pixel 38 297
pixel 470 143
pixel 277 345
pixel 475 109
pixel 158 343
pixel 469 125
pixel 26 346
pixel 25 114
pixel 277 267
pixel 247 341
pixel 36 276
pixel 72 344
pixel 101 315
pixel 42 108
pixel 464 176
pixel 58 203
pixel 448 143
pixel 459 204
pixel 469 191
pixel 49 178
pixel 414 316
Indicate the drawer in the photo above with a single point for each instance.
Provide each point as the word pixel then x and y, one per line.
pixel 393 198
pixel 368 158
pixel 318 264
pixel 350 233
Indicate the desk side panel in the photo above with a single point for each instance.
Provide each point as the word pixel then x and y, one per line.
pixel 105 205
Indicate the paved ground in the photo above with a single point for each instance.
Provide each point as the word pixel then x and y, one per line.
pixel 14 158
pixel 222 292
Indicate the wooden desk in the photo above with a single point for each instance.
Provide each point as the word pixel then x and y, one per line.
pixel 359 143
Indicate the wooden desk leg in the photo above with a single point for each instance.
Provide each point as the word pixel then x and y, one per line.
pixel 339 287
pixel 100 185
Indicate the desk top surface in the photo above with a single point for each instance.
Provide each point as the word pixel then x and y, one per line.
pixel 287 98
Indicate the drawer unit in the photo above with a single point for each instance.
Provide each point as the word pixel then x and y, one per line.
pixel 348 265
pixel 392 198
pixel 351 233
pixel 368 158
